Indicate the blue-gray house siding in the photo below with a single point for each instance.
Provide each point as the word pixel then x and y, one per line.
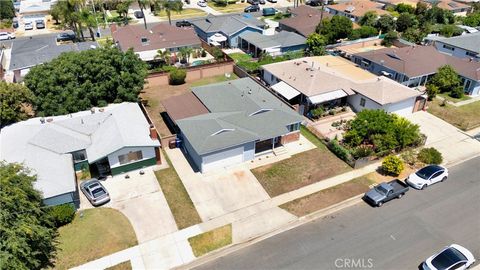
pixel 232 39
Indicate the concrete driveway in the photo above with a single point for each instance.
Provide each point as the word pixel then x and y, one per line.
pixel 141 200
pixel 454 144
pixel 218 193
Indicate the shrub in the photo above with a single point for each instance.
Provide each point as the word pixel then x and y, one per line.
pixel 432 91
pixel 362 151
pixel 177 76
pixel 392 165
pixel 217 53
pixel 457 92
pixel 203 53
pixel 430 156
pixel 317 112
pixel 62 214
pixel 340 151
pixel 409 157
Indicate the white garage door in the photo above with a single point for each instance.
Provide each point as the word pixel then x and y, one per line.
pixel 33 17
pixel 222 159
pixel 402 108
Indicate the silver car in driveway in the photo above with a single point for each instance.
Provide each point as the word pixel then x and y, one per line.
pixel 95 192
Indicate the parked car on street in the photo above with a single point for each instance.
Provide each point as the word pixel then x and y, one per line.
pixel 15 23
pixel 95 192
pixel 451 257
pixel 253 2
pixel 202 3
pixel 262 2
pixel 6 35
pixel 183 23
pixel 385 192
pixel 252 8
pixel 138 14
pixel 313 3
pixel 28 26
pixel 272 1
pixel 65 37
pixel 269 11
pixel 427 176
pixel 40 24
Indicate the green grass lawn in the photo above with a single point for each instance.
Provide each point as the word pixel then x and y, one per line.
pixel 99 232
pixel 237 57
pixel 206 242
pixel 177 197
pixel 465 117
pixel 300 170
pixel 215 79
pixel 227 8
pixel 121 266
pixel 185 13
pixel 114 13
pixel 327 197
pixel 452 99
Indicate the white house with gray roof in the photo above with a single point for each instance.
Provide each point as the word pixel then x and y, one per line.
pixel 464 46
pixel 274 45
pixel 110 140
pixel 243 120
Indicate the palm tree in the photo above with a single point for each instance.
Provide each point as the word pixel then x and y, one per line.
pixel 89 20
pixel 186 53
pixel 122 9
pixel 169 6
pixel 143 4
pixel 164 55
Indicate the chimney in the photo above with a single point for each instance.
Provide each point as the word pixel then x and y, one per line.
pixel 153 133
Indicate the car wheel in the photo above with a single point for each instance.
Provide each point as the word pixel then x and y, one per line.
pixel 444 178
pixel 400 195
pixel 424 186
pixel 379 204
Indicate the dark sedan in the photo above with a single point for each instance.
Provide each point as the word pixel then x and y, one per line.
pixel 252 8
pixel 66 37
pixel 138 14
pixel 183 23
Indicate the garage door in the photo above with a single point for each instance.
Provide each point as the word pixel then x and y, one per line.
pixel 222 159
pixel 33 17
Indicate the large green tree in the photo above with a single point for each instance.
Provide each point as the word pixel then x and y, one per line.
pixel 386 23
pixel 27 233
pixel 77 81
pixel 338 27
pixel 405 21
pixel 363 32
pixel 14 99
pixel 446 79
pixel 369 19
pixel 168 6
pixel 316 44
pixel 7 11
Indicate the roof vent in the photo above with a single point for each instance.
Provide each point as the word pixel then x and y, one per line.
pixel 222 131
pixel 42 120
pixel 260 111
pixel 92 110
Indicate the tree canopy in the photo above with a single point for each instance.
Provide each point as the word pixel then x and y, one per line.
pixel 77 81
pixel 7 12
pixel 369 19
pixel 446 79
pixel 336 28
pixel 14 99
pixel 27 232
pixel 386 23
pixel 363 32
pixel 405 21
pixel 316 44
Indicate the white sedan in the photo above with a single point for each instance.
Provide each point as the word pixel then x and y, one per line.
pixel 6 35
pixel 451 257
pixel 202 3
pixel 427 176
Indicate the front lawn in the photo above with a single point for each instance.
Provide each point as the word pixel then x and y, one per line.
pixel 230 8
pixel 94 233
pixel 185 13
pixel 177 197
pixel 465 117
pixel 206 242
pixel 452 99
pixel 300 170
pixel 327 197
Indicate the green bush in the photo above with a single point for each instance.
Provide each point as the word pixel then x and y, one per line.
pixel 409 157
pixel 430 156
pixel 340 151
pixel 362 151
pixel 62 214
pixel 177 76
pixel 317 112
pixel 432 91
pixel 392 165
pixel 457 92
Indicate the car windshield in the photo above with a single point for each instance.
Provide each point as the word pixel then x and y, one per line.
pixel 448 258
pixel 426 172
pixel 381 189
pixel 98 192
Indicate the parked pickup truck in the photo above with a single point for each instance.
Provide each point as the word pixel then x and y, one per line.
pixel 385 192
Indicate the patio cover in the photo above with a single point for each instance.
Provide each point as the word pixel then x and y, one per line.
pixel 285 90
pixel 217 37
pixel 327 96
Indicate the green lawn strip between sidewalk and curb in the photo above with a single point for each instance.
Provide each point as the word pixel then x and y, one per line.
pixel 206 242
pixel 121 266
pixel 327 197
pixel 183 210
pixel 93 233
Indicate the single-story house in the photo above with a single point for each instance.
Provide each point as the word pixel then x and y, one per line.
pixel 27 53
pixel 355 10
pixel 111 140
pixel 330 81
pixel 224 30
pixel 274 45
pixel 455 6
pixel 231 122
pixel 32 10
pixel 464 46
pixel 415 66
pixel 303 20
pixel 162 36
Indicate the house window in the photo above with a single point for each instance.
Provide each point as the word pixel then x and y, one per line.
pixel 471 54
pixel 272 78
pixel 293 127
pixel 362 102
pixel 130 157
pixel 467 85
pixel 448 47
pixel 79 156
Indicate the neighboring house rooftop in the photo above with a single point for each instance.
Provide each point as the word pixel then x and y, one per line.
pixel 44 144
pixel 37 50
pixel 416 61
pixel 304 19
pixel 183 106
pixel 448 5
pixel 469 42
pixel 384 91
pixel 32 6
pixel 161 36
pixel 228 24
pixel 359 8
pixel 241 111
pixel 281 39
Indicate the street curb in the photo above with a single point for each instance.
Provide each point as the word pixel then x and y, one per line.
pixel 296 223
pixel 461 161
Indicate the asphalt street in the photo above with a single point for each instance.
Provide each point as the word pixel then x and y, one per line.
pixel 398 235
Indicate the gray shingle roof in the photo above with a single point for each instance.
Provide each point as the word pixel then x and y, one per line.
pixel 227 24
pixel 282 39
pixel 242 109
pixel 37 50
pixel 470 42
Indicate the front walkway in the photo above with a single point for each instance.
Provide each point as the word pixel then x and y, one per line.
pixel 463 102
